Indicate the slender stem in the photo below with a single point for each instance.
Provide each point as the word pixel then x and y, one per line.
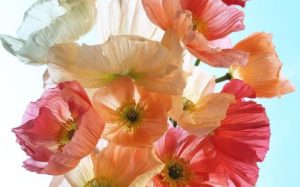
pixel 197 63
pixel 173 122
pixel 227 76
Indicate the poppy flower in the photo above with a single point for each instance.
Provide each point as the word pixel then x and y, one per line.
pixel 59 129
pixel 198 24
pixel 133 116
pixel 240 142
pixel 126 17
pixel 107 168
pixel 185 162
pixel 150 64
pixel 199 110
pixel 264 69
pixel 47 23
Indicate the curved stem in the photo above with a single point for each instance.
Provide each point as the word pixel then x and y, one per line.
pixel 197 63
pixel 227 76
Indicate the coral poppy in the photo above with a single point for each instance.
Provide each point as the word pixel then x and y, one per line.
pixel 59 129
pixel 240 142
pixel 198 24
pixel 199 111
pixel 114 166
pixel 49 22
pixel 186 163
pixel 133 116
pixel 148 63
pixel 263 71
pixel 242 3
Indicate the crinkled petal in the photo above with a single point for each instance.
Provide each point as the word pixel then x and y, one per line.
pixel 49 22
pixel 263 71
pixel 126 17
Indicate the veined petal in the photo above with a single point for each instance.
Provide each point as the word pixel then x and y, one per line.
pixel 133 116
pixel 140 166
pixel 213 18
pixel 263 71
pixel 148 63
pixel 126 17
pixel 199 111
pixel 49 22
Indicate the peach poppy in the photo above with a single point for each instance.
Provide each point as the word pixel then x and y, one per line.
pixel 150 64
pixel 59 129
pixel 47 23
pixel 199 111
pixel 186 163
pixel 198 24
pixel 246 129
pixel 263 71
pixel 133 116
pixel 114 166
pixel 242 3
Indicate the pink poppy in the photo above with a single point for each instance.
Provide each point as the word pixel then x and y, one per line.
pixel 199 24
pixel 240 142
pixel 186 162
pixel 59 129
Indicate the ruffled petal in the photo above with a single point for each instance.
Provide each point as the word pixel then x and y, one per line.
pixel 42 23
pixel 140 166
pixel 126 17
pixel 198 45
pixel 213 18
pixel 59 129
pixel 150 109
pixel 263 71
pixel 96 66
pixel 245 128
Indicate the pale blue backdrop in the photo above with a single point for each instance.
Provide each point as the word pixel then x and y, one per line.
pixel 20 84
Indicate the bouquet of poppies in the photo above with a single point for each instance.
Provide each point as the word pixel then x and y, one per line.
pixel 138 107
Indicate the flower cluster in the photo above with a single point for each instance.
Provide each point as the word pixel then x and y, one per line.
pixel 136 108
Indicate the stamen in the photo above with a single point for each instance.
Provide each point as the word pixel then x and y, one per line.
pixel 188 105
pixel 131 115
pixel 101 182
pixel 67 133
pixel 176 172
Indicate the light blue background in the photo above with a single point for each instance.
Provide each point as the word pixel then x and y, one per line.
pixel 21 84
pixel 282 19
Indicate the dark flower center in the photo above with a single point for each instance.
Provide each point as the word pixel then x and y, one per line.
pixel 175 171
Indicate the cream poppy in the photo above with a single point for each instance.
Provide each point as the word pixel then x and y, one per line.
pixel 49 22
pixel 150 64
pixel 199 111
pixel 126 17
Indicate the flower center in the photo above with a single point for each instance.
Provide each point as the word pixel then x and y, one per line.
pixel 188 105
pixel 131 115
pixel 198 25
pixel 176 172
pixel 67 133
pixel 100 183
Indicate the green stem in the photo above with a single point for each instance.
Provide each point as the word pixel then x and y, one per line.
pixel 197 62
pixel 227 76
